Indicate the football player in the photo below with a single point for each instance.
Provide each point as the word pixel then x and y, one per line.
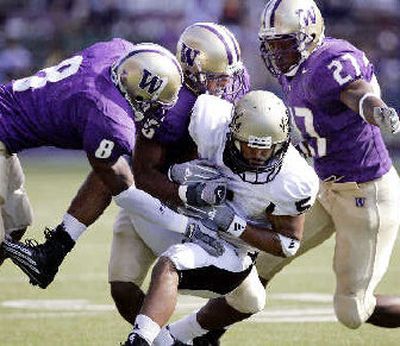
pixel 335 100
pixel 90 101
pixel 211 61
pixel 272 187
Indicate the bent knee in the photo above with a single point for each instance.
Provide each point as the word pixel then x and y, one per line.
pixel 249 297
pixel 353 310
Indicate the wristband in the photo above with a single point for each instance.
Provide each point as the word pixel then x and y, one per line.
pixel 237 226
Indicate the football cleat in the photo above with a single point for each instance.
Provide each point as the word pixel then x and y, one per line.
pixel 135 340
pixel 211 338
pixel 40 262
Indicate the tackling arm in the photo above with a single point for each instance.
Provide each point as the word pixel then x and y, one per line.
pixel 149 158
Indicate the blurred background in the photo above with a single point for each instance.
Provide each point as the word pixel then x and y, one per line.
pixel 38 33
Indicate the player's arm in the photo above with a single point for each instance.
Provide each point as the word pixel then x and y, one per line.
pixel 148 162
pixel 360 97
pixel 282 240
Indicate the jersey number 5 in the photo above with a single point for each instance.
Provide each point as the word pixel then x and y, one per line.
pixel 51 74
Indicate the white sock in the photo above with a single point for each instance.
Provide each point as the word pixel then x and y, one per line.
pixel 73 226
pixel 146 328
pixel 187 328
pixel 164 338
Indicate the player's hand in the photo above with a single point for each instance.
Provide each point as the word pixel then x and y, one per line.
pixel 219 218
pixel 194 234
pixel 387 119
pixel 194 171
pixel 203 194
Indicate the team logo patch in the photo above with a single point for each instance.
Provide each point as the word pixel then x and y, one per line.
pixel 360 202
pixel 307 17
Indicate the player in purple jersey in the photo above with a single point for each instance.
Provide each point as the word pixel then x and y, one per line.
pixel 335 100
pixel 91 102
pixel 210 58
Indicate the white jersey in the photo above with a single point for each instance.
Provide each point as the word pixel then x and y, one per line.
pixel 291 192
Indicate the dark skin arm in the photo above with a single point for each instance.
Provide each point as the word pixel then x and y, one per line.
pixel 148 162
pixel 94 195
pixel 354 92
pixel 267 239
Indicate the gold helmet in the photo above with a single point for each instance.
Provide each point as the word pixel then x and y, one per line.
pixel 290 31
pixel 260 121
pixel 210 58
pixel 150 78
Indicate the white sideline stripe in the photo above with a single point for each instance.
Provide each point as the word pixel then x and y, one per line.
pixel 81 307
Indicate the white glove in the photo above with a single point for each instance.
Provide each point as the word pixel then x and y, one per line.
pixel 195 235
pixel 218 218
pixel 387 119
pixel 194 171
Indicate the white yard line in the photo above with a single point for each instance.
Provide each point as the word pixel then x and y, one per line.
pixel 80 307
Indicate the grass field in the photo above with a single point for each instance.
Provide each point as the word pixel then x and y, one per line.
pixel 77 309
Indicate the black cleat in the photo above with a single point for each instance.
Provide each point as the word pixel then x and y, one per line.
pixel 135 340
pixel 40 261
pixel 209 339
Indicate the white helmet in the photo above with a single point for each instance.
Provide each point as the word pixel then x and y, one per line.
pixel 261 121
pixel 210 52
pixel 290 31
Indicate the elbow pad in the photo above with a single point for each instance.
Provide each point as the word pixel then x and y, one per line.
pixel 289 245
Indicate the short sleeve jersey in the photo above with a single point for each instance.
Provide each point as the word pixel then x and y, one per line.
pixel 73 105
pixel 343 145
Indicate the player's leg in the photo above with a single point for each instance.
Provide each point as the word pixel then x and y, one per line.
pixel 16 212
pixel 366 219
pixel 130 261
pixel 318 227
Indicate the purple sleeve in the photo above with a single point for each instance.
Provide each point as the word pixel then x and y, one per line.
pixel 334 69
pixel 108 137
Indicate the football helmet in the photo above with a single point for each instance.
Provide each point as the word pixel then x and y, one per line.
pixel 211 61
pixel 290 31
pixel 150 78
pixel 260 123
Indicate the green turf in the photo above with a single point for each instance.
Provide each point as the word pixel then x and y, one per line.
pixel 84 276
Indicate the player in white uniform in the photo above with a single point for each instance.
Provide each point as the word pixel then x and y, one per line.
pixel 272 187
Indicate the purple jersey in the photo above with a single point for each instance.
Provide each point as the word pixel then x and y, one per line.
pixel 174 127
pixel 342 143
pixel 73 105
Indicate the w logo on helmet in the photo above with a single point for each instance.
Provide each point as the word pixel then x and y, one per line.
pixel 307 17
pixel 188 55
pixel 151 83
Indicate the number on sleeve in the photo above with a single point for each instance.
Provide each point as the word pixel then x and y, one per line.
pixel 104 150
pixel 52 74
pixel 337 67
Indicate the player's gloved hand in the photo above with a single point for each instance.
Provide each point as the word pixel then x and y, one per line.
pixel 194 171
pixel 387 119
pixel 194 234
pixel 203 194
pixel 221 216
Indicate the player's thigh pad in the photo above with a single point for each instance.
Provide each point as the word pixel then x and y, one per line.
pixel 366 219
pixel 318 227
pixel 205 275
pixel 17 211
pixel 250 296
pixel 130 258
